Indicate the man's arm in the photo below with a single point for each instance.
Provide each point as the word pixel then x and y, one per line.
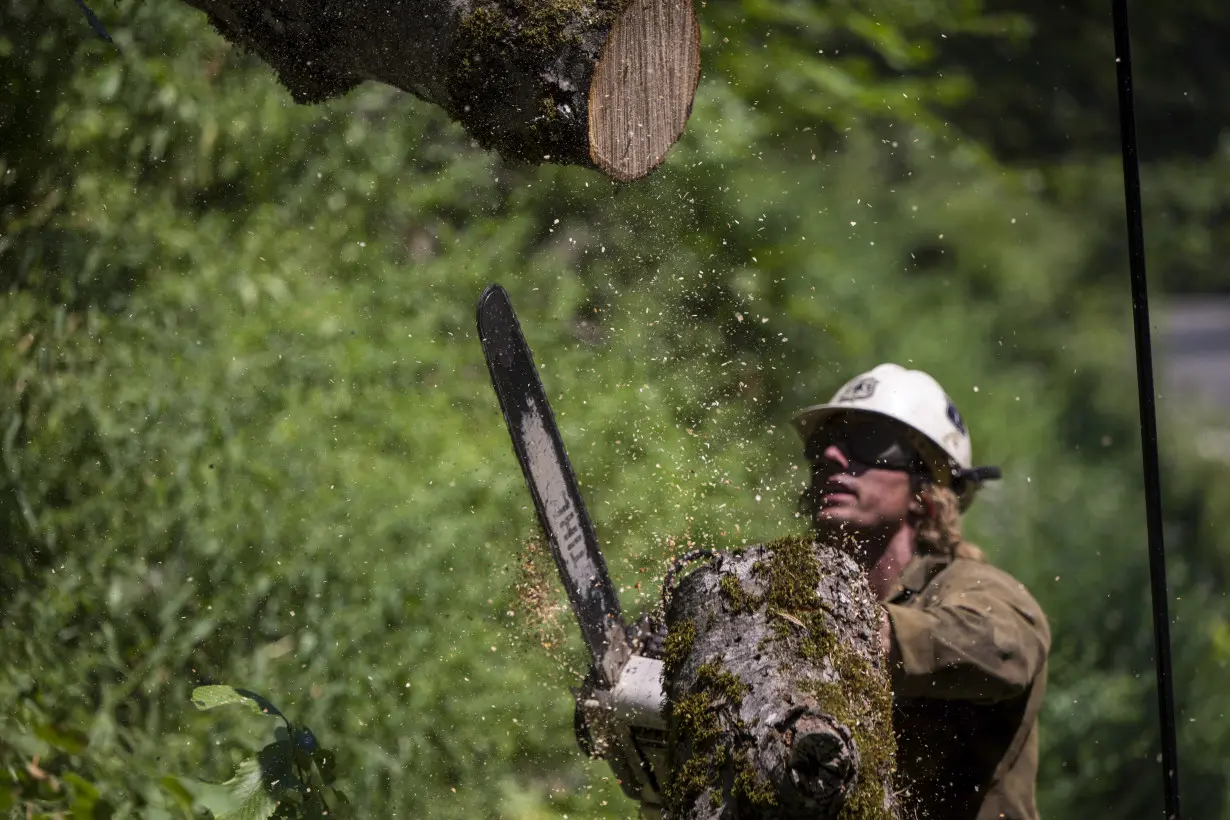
pixel 979 636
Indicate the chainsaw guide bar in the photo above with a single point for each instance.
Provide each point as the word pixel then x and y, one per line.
pixel 548 472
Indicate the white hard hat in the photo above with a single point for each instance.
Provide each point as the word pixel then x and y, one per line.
pixel 916 400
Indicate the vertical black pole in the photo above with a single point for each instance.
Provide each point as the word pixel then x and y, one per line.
pixel 1148 423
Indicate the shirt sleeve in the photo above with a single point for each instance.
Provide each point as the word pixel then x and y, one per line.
pixel 978 635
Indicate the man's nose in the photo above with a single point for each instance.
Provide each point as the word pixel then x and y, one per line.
pixel 834 453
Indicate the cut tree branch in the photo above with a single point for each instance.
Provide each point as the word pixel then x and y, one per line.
pixel 779 700
pixel 605 84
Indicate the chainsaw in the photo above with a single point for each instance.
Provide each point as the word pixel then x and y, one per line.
pixel 620 705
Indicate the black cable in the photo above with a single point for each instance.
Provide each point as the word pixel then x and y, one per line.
pixel 1148 423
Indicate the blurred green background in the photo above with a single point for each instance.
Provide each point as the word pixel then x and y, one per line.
pixel 248 436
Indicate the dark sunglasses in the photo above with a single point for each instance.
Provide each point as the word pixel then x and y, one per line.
pixel 869 443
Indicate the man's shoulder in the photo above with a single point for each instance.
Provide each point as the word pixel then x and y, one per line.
pixel 979 572
pixel 980 569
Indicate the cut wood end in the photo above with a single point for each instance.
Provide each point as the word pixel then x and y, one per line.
pixel 643 86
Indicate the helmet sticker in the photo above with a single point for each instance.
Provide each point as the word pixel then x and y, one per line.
pixel 861 389
pixel 955 417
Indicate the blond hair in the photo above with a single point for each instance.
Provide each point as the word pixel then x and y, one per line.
pixel 939 532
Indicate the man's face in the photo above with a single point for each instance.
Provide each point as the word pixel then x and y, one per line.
pixel 860 475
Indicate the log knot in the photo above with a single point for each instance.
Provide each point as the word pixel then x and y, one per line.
pixel 822 760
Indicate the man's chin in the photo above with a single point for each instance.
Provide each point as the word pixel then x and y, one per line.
pixel 843 530
pixel 835 518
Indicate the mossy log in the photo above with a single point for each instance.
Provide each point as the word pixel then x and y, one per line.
pixel 606 84
pixel 779 703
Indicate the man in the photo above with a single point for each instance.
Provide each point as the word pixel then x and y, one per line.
pixel 967 645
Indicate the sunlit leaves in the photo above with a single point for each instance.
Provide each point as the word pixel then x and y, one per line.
pixel 211 697
pixel 291 777
pixel 249 789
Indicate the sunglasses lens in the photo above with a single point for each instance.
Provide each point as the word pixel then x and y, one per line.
pixel 869 443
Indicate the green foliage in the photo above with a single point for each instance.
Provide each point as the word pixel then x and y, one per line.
pixel 289 778
pixel 246 432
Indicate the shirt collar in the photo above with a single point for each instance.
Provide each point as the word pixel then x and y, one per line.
pixel 916 575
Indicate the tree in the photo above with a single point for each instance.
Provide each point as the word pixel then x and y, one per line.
pixel 606 84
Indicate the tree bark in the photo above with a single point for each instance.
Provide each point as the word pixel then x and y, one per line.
pixel 779 699
pixel 606 84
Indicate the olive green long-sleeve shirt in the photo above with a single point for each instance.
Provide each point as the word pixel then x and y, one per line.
pixel 970 646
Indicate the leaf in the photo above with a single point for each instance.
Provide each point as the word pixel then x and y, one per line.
pixel 248 789
pixel 211 697
pixel 82 786
pixel 86 799
pixel 178 792
pixel 26 741
pixel 340 807
pixel 66 740
pixel 259 785
pixel 102 730
pixel 324 760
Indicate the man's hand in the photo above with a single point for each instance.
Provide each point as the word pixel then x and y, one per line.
pixel 646 637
